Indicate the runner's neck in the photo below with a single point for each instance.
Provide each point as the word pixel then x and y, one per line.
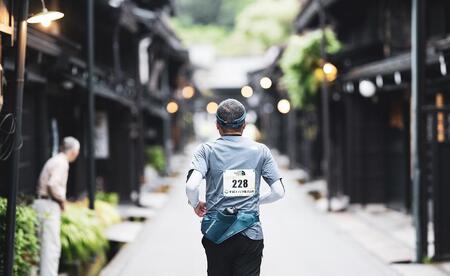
pixel 232 134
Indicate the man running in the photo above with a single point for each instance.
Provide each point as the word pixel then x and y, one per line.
pixel 232 166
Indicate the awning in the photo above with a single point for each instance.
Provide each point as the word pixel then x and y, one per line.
pixel 399 63
pixel 50 44
pixel 159 26
pixel 102 91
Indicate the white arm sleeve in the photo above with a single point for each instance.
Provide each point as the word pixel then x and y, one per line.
pixel 276 193
pixel 192 188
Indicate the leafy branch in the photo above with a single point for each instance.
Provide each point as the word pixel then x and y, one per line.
pixel 301 63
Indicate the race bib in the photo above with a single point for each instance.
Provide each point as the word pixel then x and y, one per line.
pixel 239 183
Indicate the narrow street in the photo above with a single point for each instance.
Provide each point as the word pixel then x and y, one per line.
pixel 299 240
pixel 98 126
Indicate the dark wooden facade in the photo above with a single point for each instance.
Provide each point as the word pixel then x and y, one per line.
pixel 296 134
pixel 371 136
pixel 55 97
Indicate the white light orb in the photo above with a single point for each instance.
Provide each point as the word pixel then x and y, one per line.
pixel 265 83
pixel 367 88
pixel 246 91
pixel 284 106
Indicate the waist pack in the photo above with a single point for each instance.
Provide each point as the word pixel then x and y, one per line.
pixel 220 226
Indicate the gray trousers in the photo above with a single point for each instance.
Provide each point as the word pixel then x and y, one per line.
pixel 49 216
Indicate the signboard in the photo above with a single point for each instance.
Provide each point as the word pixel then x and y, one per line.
pixel 101 135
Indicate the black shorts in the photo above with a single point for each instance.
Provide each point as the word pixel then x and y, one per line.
pixel 237 256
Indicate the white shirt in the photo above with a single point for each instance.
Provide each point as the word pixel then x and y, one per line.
pixel 54 176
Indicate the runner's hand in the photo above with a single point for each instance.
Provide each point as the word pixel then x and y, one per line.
pixel 200 209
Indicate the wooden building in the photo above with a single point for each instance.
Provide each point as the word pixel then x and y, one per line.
pixel 295 134
pixel 138 61
pixel 370 105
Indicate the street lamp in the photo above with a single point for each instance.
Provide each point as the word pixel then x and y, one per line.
pixel 246 91
pixel 265 83
pixel 45 17
pixel 19 72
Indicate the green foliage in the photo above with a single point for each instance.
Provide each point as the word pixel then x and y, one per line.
pixel 200 34
pixel 111 198
pixel 106 213
pixel 237 27
pixel 267 22
pixel 300 62
pixel 191 13
pixel 82 234
pixel 26 242
pixel 229 10
pixel 215 12
pixel 427 260
pixel 156 157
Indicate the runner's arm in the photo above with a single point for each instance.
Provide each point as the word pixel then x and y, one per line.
pixel 192 187
pixel 276 193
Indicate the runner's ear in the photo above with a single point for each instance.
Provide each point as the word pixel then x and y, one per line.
pixel 219 128
pixel 243 126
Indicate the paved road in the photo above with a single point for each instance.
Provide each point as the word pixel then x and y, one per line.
pixel 299 240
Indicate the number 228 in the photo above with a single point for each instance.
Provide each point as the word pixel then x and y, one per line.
pixel 240 183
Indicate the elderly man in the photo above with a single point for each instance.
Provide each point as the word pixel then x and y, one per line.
pixel 232 166
pixel 51 201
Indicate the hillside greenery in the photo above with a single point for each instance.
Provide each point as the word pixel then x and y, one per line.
pixel 235 27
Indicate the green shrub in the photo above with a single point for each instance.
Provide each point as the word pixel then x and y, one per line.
pixel 106 213
pixel 82 230
pixel 26 244
pixel 111 198
pixel 156 157
pixel 82 234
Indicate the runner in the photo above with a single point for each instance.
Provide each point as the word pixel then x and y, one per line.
pixel 232 166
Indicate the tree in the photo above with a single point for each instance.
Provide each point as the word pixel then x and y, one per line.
pixel 211 12
pixel 236 27
pixel 267 21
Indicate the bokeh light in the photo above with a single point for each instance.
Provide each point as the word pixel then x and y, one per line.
pixel 188 92
pixel 211 107
pixel 172 107
pixel 330 71
pixel 284 106
pixel 265 83
pixel 247 91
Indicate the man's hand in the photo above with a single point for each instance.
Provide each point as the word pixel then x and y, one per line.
pixel 62 205
pixel 200 209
